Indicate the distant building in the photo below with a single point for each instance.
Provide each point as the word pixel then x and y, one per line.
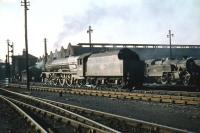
pixel 4 73
pixel 153 51
pixel 74 50
pixel 19 63
pixel 145 51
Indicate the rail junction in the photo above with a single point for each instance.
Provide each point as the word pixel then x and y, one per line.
pixel 79 119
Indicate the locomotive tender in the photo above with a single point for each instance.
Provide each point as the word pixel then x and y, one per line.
pixel 121 68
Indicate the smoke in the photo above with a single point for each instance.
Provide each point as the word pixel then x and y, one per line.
pixel 39 65
pixel 95 14
pixel 138 21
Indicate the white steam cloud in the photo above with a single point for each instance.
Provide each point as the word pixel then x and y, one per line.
pixel 147 21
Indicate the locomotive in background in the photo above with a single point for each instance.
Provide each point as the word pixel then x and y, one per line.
pixel 184 71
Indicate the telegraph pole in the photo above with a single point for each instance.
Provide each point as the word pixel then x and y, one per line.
pixel 11 68
pixel 170 43
pixel 26 3
pixel 8 60
pixel 12 51
pixel 8 56
pixel 45 50
pixel 89 31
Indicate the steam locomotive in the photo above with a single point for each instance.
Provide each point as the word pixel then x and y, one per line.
pixel 122 68
pixel 184 71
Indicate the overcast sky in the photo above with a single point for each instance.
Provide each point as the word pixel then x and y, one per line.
pixel 113 21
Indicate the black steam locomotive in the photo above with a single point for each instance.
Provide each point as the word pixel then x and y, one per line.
pixel 173 71
pixel 123 68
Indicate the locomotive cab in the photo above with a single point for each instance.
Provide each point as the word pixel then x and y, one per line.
pixel 133 68
pixel 81 70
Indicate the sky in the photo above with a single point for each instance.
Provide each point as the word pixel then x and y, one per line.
pixel 112 21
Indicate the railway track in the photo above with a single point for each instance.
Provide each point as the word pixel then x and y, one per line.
pixel 120 123
pixel 134 96
pixel 159 96
pixel 64 117
pixel 166 92
pixel 115 122
pixel 162 90
pixel 192 91
pixel 35 127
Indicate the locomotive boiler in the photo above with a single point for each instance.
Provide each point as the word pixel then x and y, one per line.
pixel 60 71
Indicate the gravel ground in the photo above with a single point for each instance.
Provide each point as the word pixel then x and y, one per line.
pixel 11 122
pixel 179 116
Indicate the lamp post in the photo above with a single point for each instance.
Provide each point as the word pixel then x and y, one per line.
pixel 170 43
pixel 89 31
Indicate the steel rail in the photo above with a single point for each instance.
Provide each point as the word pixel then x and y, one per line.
pixel 143 91
pixel 144 97
pixel 185 100
pixel 57 117
pixel 168 92
pixel 29 120
pixel 124 95
pixel 68 113
pixel 127 122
